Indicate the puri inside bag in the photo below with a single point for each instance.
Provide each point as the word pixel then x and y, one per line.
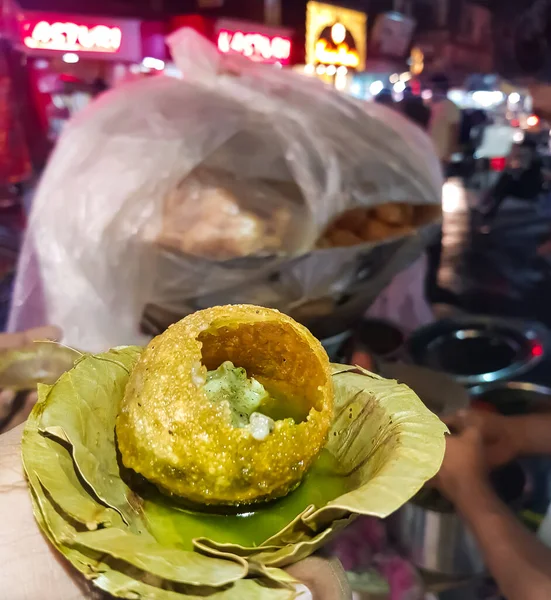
pixel 235 170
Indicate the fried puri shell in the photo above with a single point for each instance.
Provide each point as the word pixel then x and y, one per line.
pixel 170 433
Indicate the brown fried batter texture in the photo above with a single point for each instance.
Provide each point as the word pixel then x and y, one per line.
pixel 169 432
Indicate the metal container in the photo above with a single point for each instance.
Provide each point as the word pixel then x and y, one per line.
pixel 439 542
pixel 437 539
pixel 476 350
pixel 512 397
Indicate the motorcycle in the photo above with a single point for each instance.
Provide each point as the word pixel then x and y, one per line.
pixel 522 177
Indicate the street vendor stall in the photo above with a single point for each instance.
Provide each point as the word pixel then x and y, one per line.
pixel 69 58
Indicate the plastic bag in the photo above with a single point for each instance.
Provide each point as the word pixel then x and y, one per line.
pixel 100 249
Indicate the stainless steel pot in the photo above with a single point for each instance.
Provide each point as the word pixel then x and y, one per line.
pixel 439 542
pixel 478 350
pixel 437 539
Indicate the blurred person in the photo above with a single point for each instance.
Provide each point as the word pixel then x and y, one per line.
pixel 33 569
pixel 385 97
pixel 471 130
pixel 404 300
pixel 479 121
pixel 444 130
pixel 519 562
pixel 445 120
pixel 414 108
pixel 99 86
pixel 524 181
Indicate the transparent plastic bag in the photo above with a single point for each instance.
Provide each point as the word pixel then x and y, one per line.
pixel 106 238
pixel 218 216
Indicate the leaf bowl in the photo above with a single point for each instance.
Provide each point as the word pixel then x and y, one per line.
pixel 135 543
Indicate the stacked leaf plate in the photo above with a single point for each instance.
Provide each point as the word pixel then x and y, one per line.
pixel 134 542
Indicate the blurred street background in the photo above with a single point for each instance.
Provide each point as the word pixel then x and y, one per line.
pixel 471 83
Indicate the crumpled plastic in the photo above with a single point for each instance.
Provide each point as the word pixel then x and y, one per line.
pixel 95 260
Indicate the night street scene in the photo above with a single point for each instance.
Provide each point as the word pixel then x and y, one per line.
pixel 275 299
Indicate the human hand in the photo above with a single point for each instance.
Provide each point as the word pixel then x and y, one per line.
pixel 362 359
pixel 32 568
pixel 15 409
pixel 24 339
pixel 501 442
pixel 325 579
pixel 463 465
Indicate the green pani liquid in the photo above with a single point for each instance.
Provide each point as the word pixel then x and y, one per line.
pixel 256 523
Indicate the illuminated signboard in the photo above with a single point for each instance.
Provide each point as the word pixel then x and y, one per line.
pixel 335 36
pixel 336 46
pixel 71 37
pixel 256 46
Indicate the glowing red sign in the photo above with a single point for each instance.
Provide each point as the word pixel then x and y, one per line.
pixel 256 46
pixel 70 37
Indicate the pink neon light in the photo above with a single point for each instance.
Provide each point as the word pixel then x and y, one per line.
pixel 70 37
pixel 256 46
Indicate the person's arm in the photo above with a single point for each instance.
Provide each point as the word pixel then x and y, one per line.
pixel 515 557
pixel 455 146
pixel 532 433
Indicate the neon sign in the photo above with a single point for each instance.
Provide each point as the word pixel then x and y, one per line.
pixel 70 37
pixel 342 55
pixel 337 50
pixel 335 36
pixel 256 46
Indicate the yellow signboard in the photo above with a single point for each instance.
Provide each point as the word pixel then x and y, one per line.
pixel 335 36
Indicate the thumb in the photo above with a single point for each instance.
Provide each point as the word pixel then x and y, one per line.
pixel 48 332
pixel 362 359
pixel 325 579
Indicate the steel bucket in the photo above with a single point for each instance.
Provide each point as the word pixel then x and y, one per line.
pixel 437 539
pixel 439 542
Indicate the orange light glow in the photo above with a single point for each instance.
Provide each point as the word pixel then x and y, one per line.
pixel 70 37
pixel 342 56
pixel 532 121
pixel 256 46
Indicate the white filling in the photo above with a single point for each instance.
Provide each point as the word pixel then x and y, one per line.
pixel 260 426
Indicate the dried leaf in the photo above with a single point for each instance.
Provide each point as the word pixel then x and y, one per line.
pixel 137 544
pixel 81 411
pixel 167 563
